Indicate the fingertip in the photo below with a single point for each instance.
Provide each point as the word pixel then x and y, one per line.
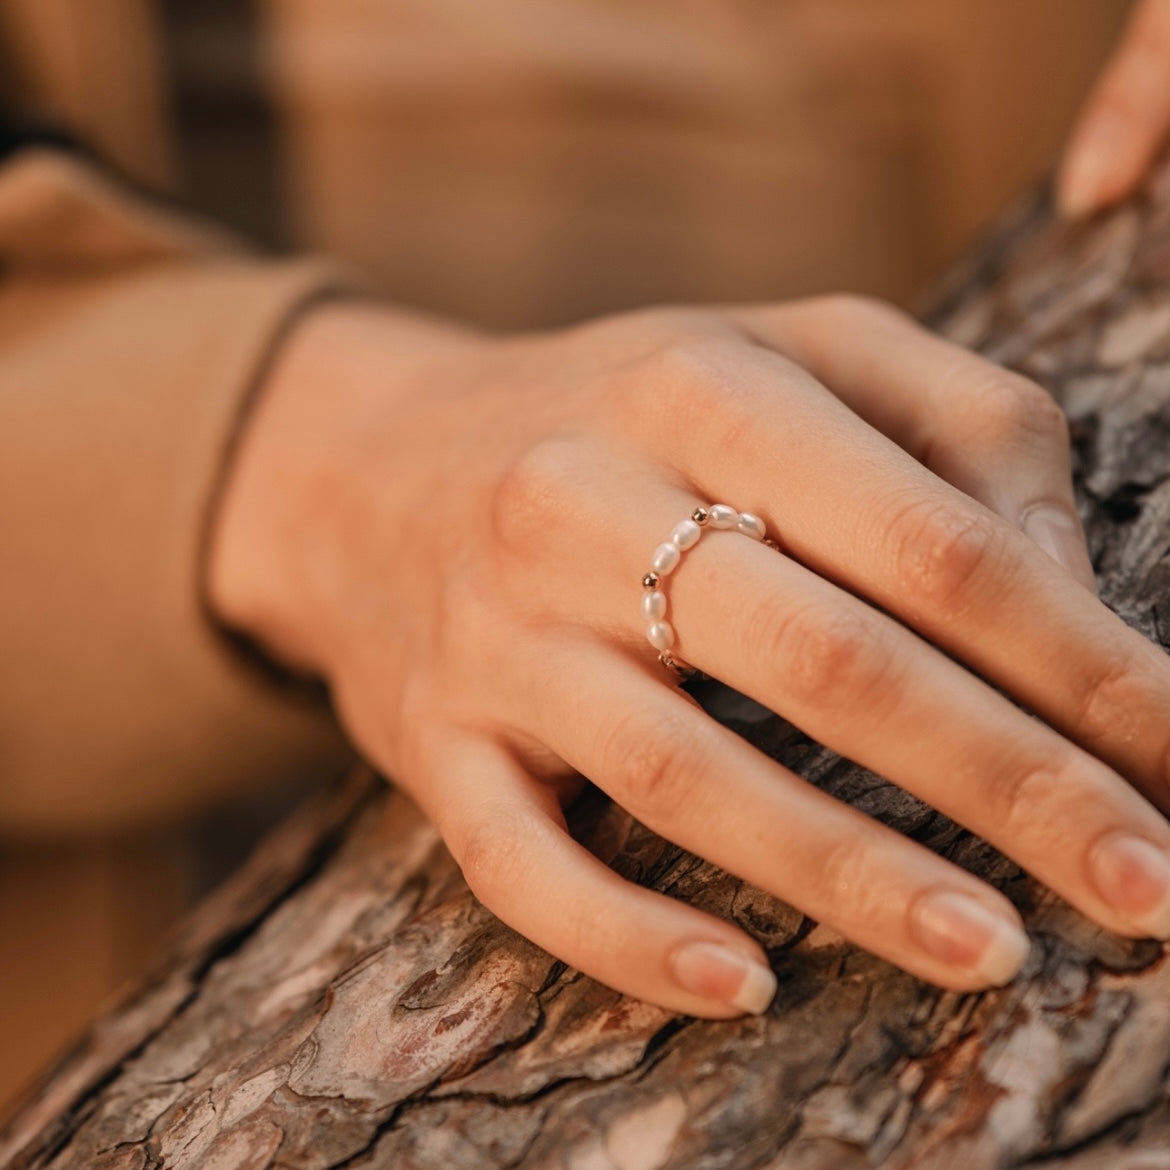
pixel 983 943
pixel 1104 160
pixel 1059 534
pixel 521 862
pixel 1088 172
pixel 758 990
pixel 725 974
pixel 1074 202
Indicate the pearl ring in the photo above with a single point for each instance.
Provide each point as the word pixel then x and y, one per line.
pixel 667 558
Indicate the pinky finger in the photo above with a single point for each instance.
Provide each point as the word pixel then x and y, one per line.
pixel 508 835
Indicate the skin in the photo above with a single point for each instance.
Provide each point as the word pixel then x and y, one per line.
pixel 1126 119
pixel 451 529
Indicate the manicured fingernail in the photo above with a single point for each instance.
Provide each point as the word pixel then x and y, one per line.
pixel 719 973
pixel 968 935
pixel 1059 535
pixel 1133 876
pixel 1089 166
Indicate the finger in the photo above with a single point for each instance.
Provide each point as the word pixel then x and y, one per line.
pixel 865 686
pixel 870 689
pixel 507 833
pixel 991 433
pixel 700 785
pixel 853 507
pixel 1125 119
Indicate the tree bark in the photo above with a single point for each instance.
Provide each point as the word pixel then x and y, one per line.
pixel 344 1001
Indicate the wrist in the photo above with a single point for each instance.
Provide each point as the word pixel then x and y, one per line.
pixel 274 570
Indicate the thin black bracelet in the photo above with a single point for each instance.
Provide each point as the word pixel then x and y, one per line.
pixel 309 690
pixel 17 134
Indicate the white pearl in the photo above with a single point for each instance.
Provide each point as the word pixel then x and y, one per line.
pixel 686 534
pixel 661 635
pixel 666 558
pixel 751 526
pixel 723 516
pixel 654 606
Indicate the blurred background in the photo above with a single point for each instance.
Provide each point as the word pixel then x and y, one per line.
pixel 519 163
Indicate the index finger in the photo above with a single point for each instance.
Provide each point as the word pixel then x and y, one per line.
pixel 986 430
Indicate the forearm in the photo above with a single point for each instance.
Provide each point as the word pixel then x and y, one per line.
pixel 128 339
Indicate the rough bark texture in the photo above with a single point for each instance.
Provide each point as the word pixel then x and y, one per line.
pixel 343 1001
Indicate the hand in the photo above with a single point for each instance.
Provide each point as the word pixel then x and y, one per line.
pixel 452 529
pixel 1125 120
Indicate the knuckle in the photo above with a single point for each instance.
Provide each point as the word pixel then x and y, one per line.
pixel 1121 101
pixel 532 491
pixel 671 323
pixel 633 338
pixel 845 880
pixel 826 656
pixel 940 552
pixel 650 762
pixel 686 374
pixel 684 359
pixel 682 383
pixel 827 318
pixel 493 855
pixel 662 321
pixel 1108 703
pixel 846 308
pixel 1006 406
pixel 1020 796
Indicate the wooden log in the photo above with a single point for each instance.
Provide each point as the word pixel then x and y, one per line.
pixel 344 1001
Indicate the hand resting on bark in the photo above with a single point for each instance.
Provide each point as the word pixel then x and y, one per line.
pixel 452 528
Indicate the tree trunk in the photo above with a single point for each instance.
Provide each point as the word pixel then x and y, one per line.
pixel 345 1001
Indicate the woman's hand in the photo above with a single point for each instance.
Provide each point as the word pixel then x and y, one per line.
pixel 453 529
pixel 1126 119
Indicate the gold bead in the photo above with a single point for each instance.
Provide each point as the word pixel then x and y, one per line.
pixel 700 515
pixel 650 581
pixel 678 669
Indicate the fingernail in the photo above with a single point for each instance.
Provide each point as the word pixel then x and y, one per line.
pixel 1089 165
pixel 1059 535
pixel 1133 876
pixel 717 972
pixel 966 934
